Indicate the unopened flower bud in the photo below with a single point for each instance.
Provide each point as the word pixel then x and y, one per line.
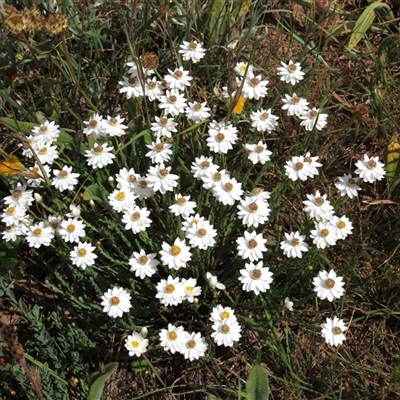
pixel 92 203
pixel 144 332
pixel 110 180
pixel 38 198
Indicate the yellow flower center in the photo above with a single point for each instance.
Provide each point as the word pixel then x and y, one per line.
pixel 264 116
pixel 113 121
pixel 224 315
pixel 43 150
pixel 152 85
pixel 192 46
pixel 253 207
pixel 341 224
pixel 71 228
pixel 189 289
pixel 330 283
pixel 170 288
pixel 254 82
pixel 324 233
pixel 217 177
pixel 295 100
pixel 63 174
pixel 205 165
pixel 298 166
pixel 181 201
pixel 172 335
pixel 225 328
pixel 201 232
pixel 172 99
pixel 163 121
pixel 115 300
pixel 10 210
pixel 132 178
pixel 121 196
pixel 197 107
pixel 256 274
pixel 136 216
pixel 191 344
pixel 17 194
pixel 295 242
pixel 228 186
pixel 371 164
pixel 82 252
pixel 259 149
pixel 43 129
pixel 336 330
pixel 93 123
pixel 143 184
pixel 319 201
pixel 143 260
pixel 98 149
pixel 37 232
pixel 135 344
pixel 175 250
pixel 292 68
pixel 178 74
pixel 252 243
pixel 220 137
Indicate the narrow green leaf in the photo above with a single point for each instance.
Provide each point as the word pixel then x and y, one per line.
pixel 364 22
pixel 17 126
pixel 257 384
pixel 98 381
pixel 95 192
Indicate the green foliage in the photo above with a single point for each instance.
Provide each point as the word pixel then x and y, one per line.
pixel 98 381
pixel 257 384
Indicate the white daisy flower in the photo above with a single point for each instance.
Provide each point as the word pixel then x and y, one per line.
pixel 226 332
pixel 297 168
pixel 178 79
pixel 121 199
pixel 153 89
pixel 55 223
pixel 142 189
pixel 191 221
pixel 254 87
pixel 11 233
pixel 313 164
pixel 11 215
pixel 45 152
pixel 164 127
pixel 36 171
pixel 344 226
pixel 131 86
pixel 221 138
pixel 75 211
pixel 255 278
pixel 172 338
pixel 191 290
pixel 324 235
pixel 194 346
pixel 143 264
pixel 347 185
pixel 47 132
pixel 212 179
pixel 258 193
pixel 100 155
pixel 126 179
pixel 288 304
pixel 197 111
pixel 160 152
pixel 39 235
pixel 318 206
pixel 175 256
pixel 71 230
pixel 134 69
pixel 201 235
pixel 113 126
pixel 253 211
pixel 116 301
pixel 192 51
pixel 241 68
pixel 258 153
pixel 291 72
pixel 312 118
pixel 135 218
pixel 220 313
pixel 294 245
pixel 136 344
pixel 228 191
pixel 202 165
pixel 82 256
pixel 214 283
pixel 295 105
pixel 328 285
pixel 64 179
pixel 172 102
pixel 183 206
pixel 170 291
pixel 370 169
pixel 251 246
pixel 332 331
pixel 94 127
pixel 160 179
pixel 264 120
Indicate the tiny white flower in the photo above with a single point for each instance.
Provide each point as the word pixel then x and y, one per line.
pixel 312 118
pixel 192 51
pixel 82 256
pixel 291 73
pixel 136 344
pixel 115 302
pixel 136 219
pixel 71 230
pixel 254 87
pixel 170 291
pixel 253 211
pixel 114 126
pixel 143 264
pixel 183 206
pixel 100 155
pixel 313 164
pixel 370 169
pixel 251 246
pixel 197 111
pixel 46 132
pixel 328 285
pixel 131 85
pixel 332 331
pixel 295 105
pixel 228 191
pixel 191 290
pixel 242 67
pixel 344 226
pixel 178 79
pixel 201 235
pixel 288 304
pixel 202 165
pixel 175 256
pixel 94 127
pixel 164 127
pixel 220 313
pixel 45 152
pixel 160 179
pixel 297 168
pixel 153 89
pixel 221 137
pixel 142 189
pixel 324 235
pixel 121 199
pixel 294 245
pixel 258 153
pixel 194 346
pixel 39 235
pixel 347 185
pixel 75 211
pixel 11 215
pixel 226 332
pixel 212 179
pixel 172 102
pixel 213 282
pixel 64 179
pixel 264 120
pixel 255 278
pixel 172 338
pixel 160 152
pixel 318 206
pixel 126 179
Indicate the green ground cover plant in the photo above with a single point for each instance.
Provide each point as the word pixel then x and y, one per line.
pixel 199 200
